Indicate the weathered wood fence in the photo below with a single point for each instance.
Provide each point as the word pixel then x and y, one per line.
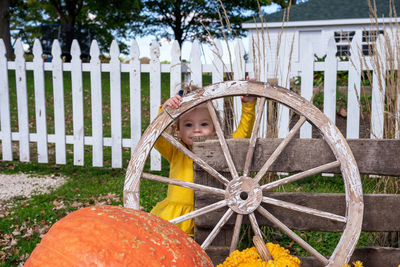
pixel 280 70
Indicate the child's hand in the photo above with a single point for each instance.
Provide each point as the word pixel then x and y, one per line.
pixel 246 99
pixel 173 102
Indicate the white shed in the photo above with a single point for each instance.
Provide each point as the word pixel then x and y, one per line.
pixel 315 21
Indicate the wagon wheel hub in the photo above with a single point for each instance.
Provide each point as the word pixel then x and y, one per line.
pixel 243 195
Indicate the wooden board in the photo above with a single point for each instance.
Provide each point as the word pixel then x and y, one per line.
pixel 381 212
pixel 372 156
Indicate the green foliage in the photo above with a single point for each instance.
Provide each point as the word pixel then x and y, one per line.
pixel 319 59
pixel 341 100
pixel 287 3
pixel 342 78
pixel 318 100
pixel 110 19
pixel 318 78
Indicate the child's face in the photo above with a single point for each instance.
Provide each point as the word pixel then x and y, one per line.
pixel 196 122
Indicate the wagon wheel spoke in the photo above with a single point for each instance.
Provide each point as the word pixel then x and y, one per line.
pixel 254 225
pixel 222 140
pixel 217 229
pixel 199 212
pixel 253 138
pixel 292 206
pixel 236 232
pixel 301 175
pixel 279 149
pixel 193 186
pixel 195 158
pixel 293 235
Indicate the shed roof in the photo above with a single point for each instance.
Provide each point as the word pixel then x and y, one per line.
pixel 334 10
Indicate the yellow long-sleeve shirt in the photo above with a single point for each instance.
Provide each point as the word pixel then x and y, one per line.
pixel 179 200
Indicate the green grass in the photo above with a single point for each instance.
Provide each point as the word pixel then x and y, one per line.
pixel 85 186
pixel 86 100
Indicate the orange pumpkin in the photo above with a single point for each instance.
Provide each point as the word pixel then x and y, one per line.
pixel 116 236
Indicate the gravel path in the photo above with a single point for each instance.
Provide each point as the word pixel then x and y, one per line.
pixel 27 185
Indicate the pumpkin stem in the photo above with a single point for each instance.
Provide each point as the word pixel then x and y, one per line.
pixel 262 248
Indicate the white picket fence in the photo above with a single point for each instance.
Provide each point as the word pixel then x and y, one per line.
pixel 195 68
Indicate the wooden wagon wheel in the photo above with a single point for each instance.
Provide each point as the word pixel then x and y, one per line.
pixel 243 195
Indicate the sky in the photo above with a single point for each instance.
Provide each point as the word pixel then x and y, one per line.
pixel 165 46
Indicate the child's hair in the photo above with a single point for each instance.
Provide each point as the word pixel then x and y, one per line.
pixel 188 88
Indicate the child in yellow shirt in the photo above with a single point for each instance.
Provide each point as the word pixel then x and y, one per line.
pixel 196 122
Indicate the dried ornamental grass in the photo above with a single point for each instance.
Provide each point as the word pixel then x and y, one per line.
pixel 250 257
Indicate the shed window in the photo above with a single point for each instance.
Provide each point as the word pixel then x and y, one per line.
pixel 368 41
pixel 343 40
pixel 343 51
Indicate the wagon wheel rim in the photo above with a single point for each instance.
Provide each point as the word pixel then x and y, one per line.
pixel 307 112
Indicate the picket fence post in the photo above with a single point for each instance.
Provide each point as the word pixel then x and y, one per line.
pixel 239 72
pixel 40 102
pixel 176 69
pixel 217 75
pixel 155 97
pixel 59 107
pixel 6 144
pixel 307 82
pixel 77 103
pixel 22 102
pixel 97 105
pixel 196 70
pixel 354 84
pixel 284 81
pixel 330 79
pixel 250 58
pixel 378 89
pixel 115 106
pixel 135 85
pixel 217 62
pixel 258 62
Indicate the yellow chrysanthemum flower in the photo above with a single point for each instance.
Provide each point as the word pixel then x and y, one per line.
pixel 250 258
pixel 355 264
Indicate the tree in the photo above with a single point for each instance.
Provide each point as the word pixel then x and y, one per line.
pixel 189 19
pixel 5 26
pixel 109 19
pixel 286 3
pixel 8 11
